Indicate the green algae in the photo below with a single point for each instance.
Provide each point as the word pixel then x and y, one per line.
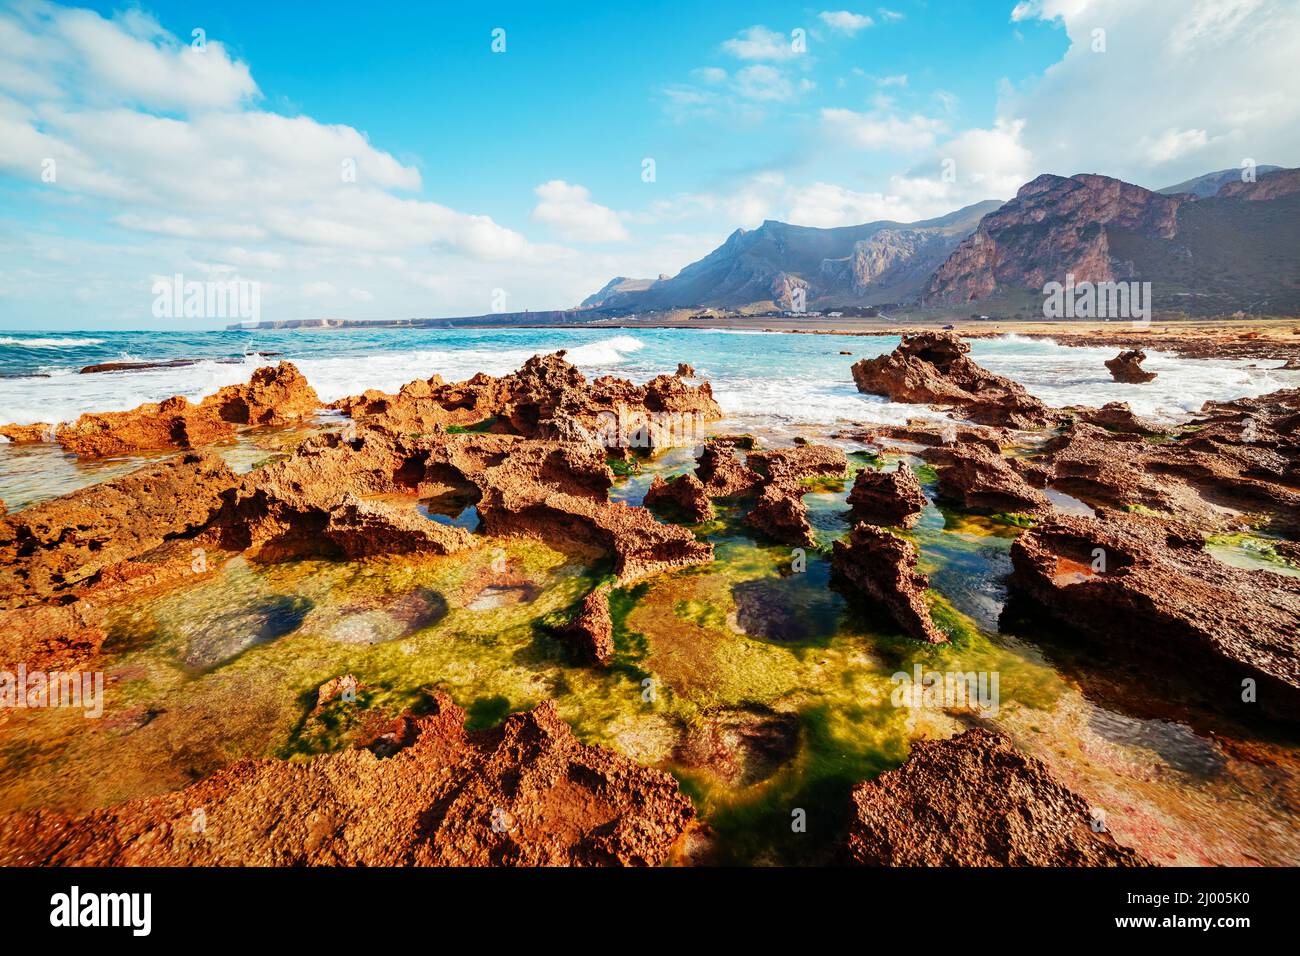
pixel 477 428
pixel 1250 552
pixel 757 631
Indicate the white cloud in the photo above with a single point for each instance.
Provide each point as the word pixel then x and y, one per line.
pixel 1183 87
pixel 843 21
pixel 760 43
pixel 762 82
pixel 882 130
pixel 569 211
pixel 892 16
pixel 898 79
pixel 1173 144
pixel 136 61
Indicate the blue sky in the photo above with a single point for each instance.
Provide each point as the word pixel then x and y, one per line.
pixel 516 177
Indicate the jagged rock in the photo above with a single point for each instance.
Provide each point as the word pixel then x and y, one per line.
pixel 779 511
pixel 1237 458
pixel 1118 417
pixel 882 566
pixel 975 800
pixel 527 793
pixel 1131 579
pixel 174 423
pixel 977 478
pixel 28 434
pixel 52 548
pixel 360 528
pixel 273 396
pixel 722 472
pixel 591 632
pixel 685 370
pixel 1127 367
pixel 891 498
pixel 684 494
pixel 932 368
pixel 664 411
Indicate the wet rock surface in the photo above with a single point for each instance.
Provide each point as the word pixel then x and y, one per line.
pixel 684 495
pixel 52 548
pixel 1235 460
pixel 591 632
pixel 882 567
pixel 1127 367
pixel 273 396
pixel 975 800
pixel 979 479
pixel 933 368
pixel 740 746
pixel 890 498
pixel 1135 580
pixel 546 398
pixel 525 794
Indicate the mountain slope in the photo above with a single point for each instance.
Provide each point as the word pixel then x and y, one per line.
pixel 869 264
pixel 1238 249
pixel 1209 184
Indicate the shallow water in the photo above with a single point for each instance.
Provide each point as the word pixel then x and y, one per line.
pixel 762 688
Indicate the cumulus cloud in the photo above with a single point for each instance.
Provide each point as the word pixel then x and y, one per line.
pixel 147 132
pixel 760 43
pixel 569 211
pixel 879 130
pixel 843 21
pixel 1180 88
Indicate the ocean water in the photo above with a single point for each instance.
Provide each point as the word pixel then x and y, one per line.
pixel 771 381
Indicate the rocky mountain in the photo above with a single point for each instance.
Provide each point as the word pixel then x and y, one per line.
pixel 613 287
pixel 870 264
pixel 1236 250
pixel 1210 183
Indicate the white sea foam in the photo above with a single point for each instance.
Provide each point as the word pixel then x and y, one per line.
pixel 48 343
pixel 800 380
pixel 63 396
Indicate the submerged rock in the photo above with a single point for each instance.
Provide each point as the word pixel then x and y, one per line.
pixel 890 498
pixel 932 368
pixel 740 746
pixel 527 793
pixel 1127 367
pixel 882 566
pixel 1140 582
pixel 976 801
pixel 50 637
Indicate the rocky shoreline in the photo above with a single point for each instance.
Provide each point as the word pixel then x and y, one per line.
pixel 535 454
